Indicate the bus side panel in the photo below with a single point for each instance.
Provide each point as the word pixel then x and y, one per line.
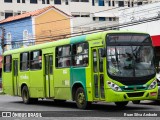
pixel 36 84
pixel 62 83
pixel 79 76
pixel 7 83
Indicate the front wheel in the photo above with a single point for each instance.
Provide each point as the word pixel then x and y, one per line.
pixel 121 104
pixel 80 98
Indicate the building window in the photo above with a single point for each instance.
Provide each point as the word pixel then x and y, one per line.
pixel 18 1
pixel 48 1
pixel 25 35
pixel 101 2
pixel 94 18
pixel 132 4
pixel 102 18
pixel 63 57
pixel 9 1
pixel 57 1
pixel 7 63
pixel 36 60
pixel 23 1
pixel 109 3
pixel 9 39
pixel 74 0
pixel 93 3
pixel 110 19
pixel 24 61
pixel 114 19
pixel 66 2
pixel 139 3
pixel 113 3
pixel 43 1
pixel 8 14
pixel 80 54
pixel 75 14
pixel 84 0
pixel 85 14
pixel 33 1
pixel 128 4
pixel 121 3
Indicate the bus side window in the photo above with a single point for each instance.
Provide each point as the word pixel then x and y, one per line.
pixel 36 60
pixel 80 54
pixel 63 56
pixel 7 63
pixel 24 61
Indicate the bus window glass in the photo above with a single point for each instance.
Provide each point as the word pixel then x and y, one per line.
pixel 36 60
pixel 51 64
pixel 24 60
pixel 80 54
pixel 63 57
pixel 130 61
pixel 7 63
pixel 95 61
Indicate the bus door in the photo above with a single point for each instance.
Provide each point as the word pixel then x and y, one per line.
pixel 49 83
pixel 98 75
pixel 15 78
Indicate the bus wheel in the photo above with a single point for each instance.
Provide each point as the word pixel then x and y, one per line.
pixel 81 98
pixel 25 95
pixel 121 104
pixel 136 101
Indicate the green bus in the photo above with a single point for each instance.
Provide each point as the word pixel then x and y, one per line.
pixel 109 66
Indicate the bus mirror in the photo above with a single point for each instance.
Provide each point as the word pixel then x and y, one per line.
pixel 102 52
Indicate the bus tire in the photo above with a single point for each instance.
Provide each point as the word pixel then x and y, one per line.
pixel 25 95
pixel 136 101
pixel 80 98
pixel 121 104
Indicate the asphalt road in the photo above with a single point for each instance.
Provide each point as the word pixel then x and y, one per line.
pixel 48 109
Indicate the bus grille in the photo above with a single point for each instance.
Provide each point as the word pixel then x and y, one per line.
pixel 140 94
pixel 132 88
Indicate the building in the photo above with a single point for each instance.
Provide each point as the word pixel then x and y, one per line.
pixel 35 27
pixel 86 13
pixel 142 13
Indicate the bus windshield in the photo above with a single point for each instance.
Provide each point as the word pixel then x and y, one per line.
pixel 130 55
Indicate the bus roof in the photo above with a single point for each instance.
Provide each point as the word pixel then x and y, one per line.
pixel 71 40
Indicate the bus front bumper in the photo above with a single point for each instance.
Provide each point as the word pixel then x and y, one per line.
pixel 114 96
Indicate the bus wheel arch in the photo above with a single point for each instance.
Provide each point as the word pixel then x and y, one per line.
pixel 79 95
pixel 74 89
pixel 25 94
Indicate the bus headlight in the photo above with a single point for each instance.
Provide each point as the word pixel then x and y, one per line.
pixel 114 86
pixel 152 85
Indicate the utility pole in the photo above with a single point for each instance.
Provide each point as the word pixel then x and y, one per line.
pixel 2 38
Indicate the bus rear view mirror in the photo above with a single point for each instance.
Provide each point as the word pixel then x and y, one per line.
pixel 102 52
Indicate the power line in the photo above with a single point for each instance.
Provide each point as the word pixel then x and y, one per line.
pixel 90 23
pixel 86 23
pixel 107 28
